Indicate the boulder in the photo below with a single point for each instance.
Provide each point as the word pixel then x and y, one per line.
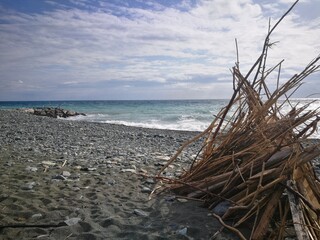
pixel 55 112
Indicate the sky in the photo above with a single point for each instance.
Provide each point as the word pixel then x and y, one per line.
pixel 152 49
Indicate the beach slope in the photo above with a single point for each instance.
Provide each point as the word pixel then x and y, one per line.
pixel 65 179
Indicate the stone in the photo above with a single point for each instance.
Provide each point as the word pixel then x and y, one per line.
pixel 221 208
pixel 125 170
pixel 140 213
pixel 59 177
pixel 31 169
pixel 182 200
pixel 72 221
pixel 146 190
pixel 55 112
pixel 37 215
pixel 66 174
pixel 182 231
pixel 28 110
pixel 150 181
pixel 111 182
pixel 143 170
pixel 162 158
pixel 160 164
pixel 28 186
pixel 7 164
pixel 88 169
pixel 48 163
pixel 170 198
pixel 76 189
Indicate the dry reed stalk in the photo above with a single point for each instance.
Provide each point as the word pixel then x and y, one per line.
pixel 251 149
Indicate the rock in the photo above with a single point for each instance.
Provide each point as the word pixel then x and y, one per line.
pixel 143 170
pixel 182 200
pixel 48 163
pixel 76 189
pixel 59 177
pixel 72 221
pixel 221 208
pixel 88 169
pixel 55 112
pixel 111 182
pixel 66 174
pixel 140 213
pixel 182 232
pixel 28 186
pixel 150 181
pixel 128 170
pixel 37 215
pixel 170 198
pixel 146 190
pixel 3 197
pixel 117 159
pixel 7 164
pixel 28 110
pixel 31 169
pixel 162 158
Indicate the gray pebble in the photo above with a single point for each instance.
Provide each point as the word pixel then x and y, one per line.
pixel 28 186
pixel 72 221
pixel 37 215
pixel 31 169
pixel 150 181
pixel 66 174
pixel 128 170
pixel 146 190
pixel 59 177
pixel 140 213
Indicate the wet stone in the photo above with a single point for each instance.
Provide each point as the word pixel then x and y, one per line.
pixel 146 190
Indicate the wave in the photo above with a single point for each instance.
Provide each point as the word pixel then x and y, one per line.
pixel 197 118
pixel 181 124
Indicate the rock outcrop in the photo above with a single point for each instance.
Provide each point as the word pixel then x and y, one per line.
pixel 54 112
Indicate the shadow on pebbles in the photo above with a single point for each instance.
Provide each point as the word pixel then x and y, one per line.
pixel 60 182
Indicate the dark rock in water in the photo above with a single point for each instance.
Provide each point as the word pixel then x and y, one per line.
pixel 55 112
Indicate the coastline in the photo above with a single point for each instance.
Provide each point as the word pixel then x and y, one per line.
pixel 75 180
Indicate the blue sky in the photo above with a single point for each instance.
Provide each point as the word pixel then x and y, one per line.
pixel 165 49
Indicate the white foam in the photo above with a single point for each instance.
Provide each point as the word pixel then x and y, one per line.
pixel 185 125
pixel 185 121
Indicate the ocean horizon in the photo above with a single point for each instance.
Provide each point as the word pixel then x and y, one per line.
pixel 186 114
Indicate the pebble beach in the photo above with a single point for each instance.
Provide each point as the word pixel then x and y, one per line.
pixel 65 179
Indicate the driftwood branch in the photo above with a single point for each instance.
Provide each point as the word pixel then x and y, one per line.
pixel 251 149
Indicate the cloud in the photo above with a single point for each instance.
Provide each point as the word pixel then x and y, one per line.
pixel 86 43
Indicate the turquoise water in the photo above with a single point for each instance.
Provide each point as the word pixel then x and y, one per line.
pixel 190 115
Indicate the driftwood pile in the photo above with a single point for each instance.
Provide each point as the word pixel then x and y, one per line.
pixel 254 169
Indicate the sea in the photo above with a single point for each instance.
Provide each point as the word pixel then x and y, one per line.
pixel 187 115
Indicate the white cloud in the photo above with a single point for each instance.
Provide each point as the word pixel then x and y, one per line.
pixel 160 44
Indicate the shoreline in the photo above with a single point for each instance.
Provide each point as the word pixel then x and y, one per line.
pixel 78 179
